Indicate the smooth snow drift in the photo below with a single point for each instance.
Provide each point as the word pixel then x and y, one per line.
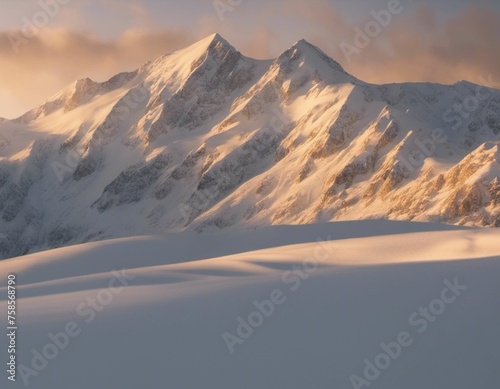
pixel 284 307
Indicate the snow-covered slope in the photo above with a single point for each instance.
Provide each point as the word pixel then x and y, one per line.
pixel 338 291
pixel 206 138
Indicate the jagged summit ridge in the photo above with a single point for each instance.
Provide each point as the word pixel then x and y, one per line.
pixel 217 39
pixel 205 138
pixel 213 46
pixel 306 48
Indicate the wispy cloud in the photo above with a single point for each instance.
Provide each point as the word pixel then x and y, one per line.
pixel 418 45
pixel 418 48
pixel 56 57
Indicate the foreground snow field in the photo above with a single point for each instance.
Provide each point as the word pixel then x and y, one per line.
pixel 283 307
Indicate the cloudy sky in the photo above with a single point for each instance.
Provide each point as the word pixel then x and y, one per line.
pixel 46 44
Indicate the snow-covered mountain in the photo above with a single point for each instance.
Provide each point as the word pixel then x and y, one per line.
pixel 206 138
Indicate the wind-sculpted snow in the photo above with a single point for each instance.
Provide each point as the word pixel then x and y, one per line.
pixel 295 307
pixel 206 138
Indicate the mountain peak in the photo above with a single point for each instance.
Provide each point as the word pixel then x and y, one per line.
pixel 217 38
pixel 307 53
pixel 305 45
pixel 302 43
pixel 212 42
pixel 218 43
pixel 209 39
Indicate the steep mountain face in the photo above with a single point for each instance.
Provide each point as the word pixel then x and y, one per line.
pixel 205 138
